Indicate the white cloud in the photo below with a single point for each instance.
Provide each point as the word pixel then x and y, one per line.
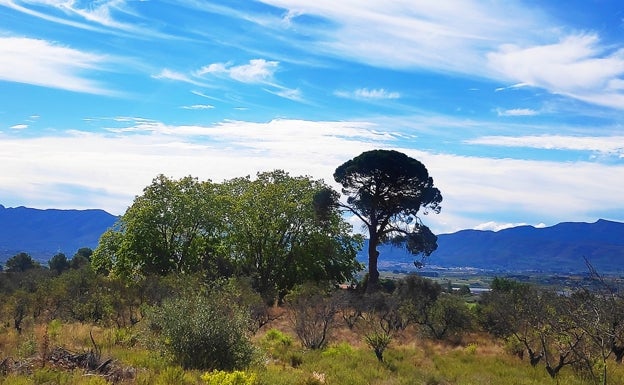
pixel 100 16
pixel 365 93
pixel 517 112
pixel 476 190
pixel 604 144
pixel 504 41
pixel 576 66
pixel 142 149
pixel 443 36
pixel 286 93
pixel 257 71
pixel 497 226
pixel 19 126
pixel 198 107
pixel 513 191
pixel 168 74
pixel 43 63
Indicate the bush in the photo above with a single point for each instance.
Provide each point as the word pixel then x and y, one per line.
pixel 378 341
pixel 277 345
pixel 225 378
pixel 312 314
pixel 204 332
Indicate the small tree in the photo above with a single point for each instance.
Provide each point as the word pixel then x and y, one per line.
pixel 58 263
pixel 312 311
pixel 81 258
pixel 20 263
pixel 382 319
pixel 448 317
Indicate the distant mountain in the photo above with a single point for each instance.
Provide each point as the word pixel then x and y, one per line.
pixel 558 249
pixel 43 233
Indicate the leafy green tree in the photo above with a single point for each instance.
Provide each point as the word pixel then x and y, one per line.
pixel 58 263
pixel 273 235
pixel 20 263
pixel 416 296
pixel 517 312
pixel 385 189
pixel 18 305
pixel 170 228
pixel 448 317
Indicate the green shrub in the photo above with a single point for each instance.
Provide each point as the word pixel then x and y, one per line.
pixel 204 332
pixel 219 377
pixel 278 346
pixel 276 337
pixel 342 349
pixel 172 375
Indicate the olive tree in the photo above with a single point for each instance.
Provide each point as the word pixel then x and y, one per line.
pixel 386 189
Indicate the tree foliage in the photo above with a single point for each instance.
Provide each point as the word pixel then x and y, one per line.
pixel 58 263
pixel 170 228
pixel 263 228
pixel 386 189
pixel 274 237
pixel 20 262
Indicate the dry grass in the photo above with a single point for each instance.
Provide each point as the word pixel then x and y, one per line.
pixel 410 359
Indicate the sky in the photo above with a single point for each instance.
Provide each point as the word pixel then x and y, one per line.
pixel 514 107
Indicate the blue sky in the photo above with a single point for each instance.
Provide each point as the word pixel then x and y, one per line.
pixel 515 107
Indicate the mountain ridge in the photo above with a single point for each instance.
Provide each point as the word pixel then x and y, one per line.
pixel 560 248
pixel 45 232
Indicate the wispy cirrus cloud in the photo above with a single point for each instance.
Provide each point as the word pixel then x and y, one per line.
pixel 368 94
pixel 256 71
pixel 43 63
pixel 528 48
pixel 198 107
pixel 517 112
pixel 600 144
pixel 577 66
pixel 105 16
pixel 168 74
pixel 403 34
pixel 287 93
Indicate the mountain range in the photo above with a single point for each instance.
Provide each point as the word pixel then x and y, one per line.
pixel 43 233
pixel 561 248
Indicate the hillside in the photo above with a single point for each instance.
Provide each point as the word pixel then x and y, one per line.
pixel 42 233
pixel 558 249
